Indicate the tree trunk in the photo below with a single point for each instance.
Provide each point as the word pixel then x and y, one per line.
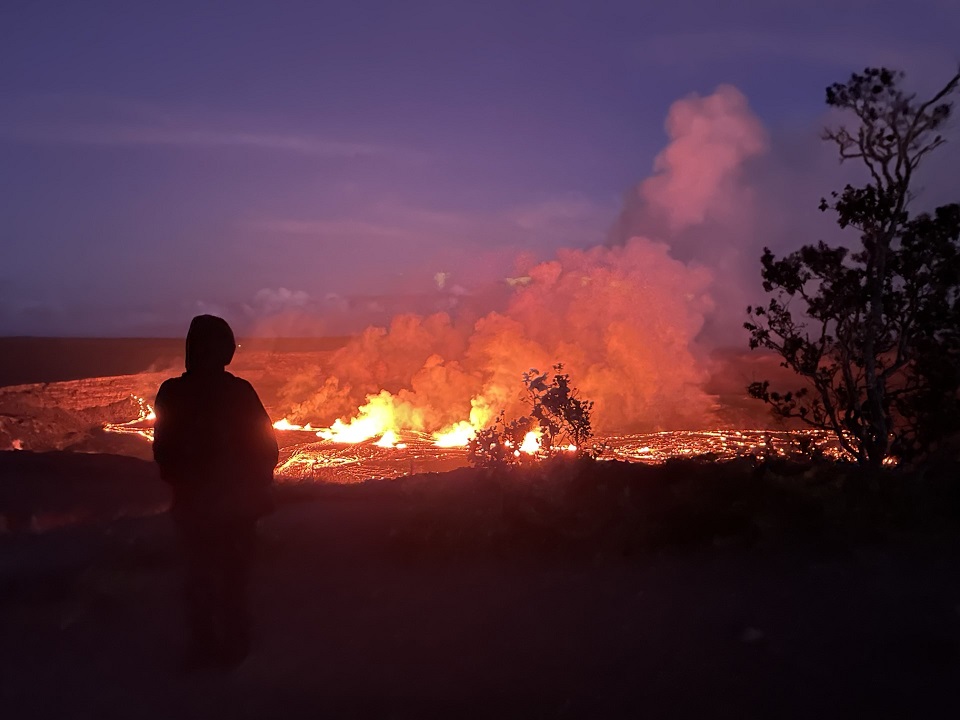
pixel 878 440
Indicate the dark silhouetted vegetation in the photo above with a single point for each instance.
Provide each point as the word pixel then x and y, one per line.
pixel 874 331
pixel 556 410
pixel 618 507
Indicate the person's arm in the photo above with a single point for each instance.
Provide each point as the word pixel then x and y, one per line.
pixel 264 441
pixel 166 452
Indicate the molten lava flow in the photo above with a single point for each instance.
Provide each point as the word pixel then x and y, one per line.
pixel 531 442
pixel 458 435
pixel 284 424
pixel 382 413
pixel 390 440
pixel 397 453
pixel 385 415
pixel 141 425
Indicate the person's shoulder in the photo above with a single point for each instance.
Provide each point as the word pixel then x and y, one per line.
pixel 174 381
pixel 170 386
pixel 242 392
pixel 236 380
pixel 240 385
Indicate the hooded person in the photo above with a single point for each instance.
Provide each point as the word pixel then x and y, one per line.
pixel 214 444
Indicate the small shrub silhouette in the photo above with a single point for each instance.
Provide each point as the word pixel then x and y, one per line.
pixel 556 408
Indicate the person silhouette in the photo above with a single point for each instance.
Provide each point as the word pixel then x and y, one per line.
pixel 215 445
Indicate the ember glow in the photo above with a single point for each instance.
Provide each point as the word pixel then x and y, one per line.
pixel 418 453
pixel 382 417
pixel 284 424
pixel 459 435
pixel 390 440
pixel 393 454
pixel 613 316
pixel 531 443
pixel 626 320
pixel 141 425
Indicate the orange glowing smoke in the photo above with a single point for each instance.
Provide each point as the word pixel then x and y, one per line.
pixel 284 424
pixel 623 320
pixel 616 317
pixel 458 435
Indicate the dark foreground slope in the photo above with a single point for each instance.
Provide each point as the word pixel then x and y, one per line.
pixel 460 596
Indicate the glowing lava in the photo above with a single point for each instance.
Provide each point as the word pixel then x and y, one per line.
pixel 381 414
pixel 390 440
pixel 531 443
pixel 284 424
pixel 141 425
pixel 458 435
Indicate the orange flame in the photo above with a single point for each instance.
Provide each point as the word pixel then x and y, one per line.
pixel 457 435
pixel 390 440
pixel 137 426
pixel 531 442
pixel 284 424
pixel 383 413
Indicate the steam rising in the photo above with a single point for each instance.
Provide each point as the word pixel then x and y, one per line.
pixel 698 175
pixel 624 319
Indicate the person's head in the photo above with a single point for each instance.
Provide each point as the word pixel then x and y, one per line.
pixel 210 344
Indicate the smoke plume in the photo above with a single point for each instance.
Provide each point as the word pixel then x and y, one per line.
pixel 624 319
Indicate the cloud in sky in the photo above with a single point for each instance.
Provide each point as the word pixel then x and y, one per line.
pixel 415 243
pixel 270 300
pixel 333 229
pixel 114 122
pixel 172 155
pixel 193 137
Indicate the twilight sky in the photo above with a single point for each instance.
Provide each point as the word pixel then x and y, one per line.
pixel 307 167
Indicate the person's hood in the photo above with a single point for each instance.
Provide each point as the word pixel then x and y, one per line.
pixel 210 344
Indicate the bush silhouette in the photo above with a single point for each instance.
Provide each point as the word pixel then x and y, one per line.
pixel 556 410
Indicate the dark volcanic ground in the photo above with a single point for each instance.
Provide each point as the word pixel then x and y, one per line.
pixel 363 613
pixel 77 385
pixel 57 393
pixel 358 617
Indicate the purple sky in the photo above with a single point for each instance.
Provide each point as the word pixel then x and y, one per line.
pixel 255 158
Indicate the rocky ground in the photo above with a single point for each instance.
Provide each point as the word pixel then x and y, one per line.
pixel 57 393
pixel 693 589
pixel 70 414
pixel 465 595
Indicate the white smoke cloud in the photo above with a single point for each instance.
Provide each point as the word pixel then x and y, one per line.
pixel 702 201
pixel 621 320
pixel 699 184
pixel 634 322
pixel 698 175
